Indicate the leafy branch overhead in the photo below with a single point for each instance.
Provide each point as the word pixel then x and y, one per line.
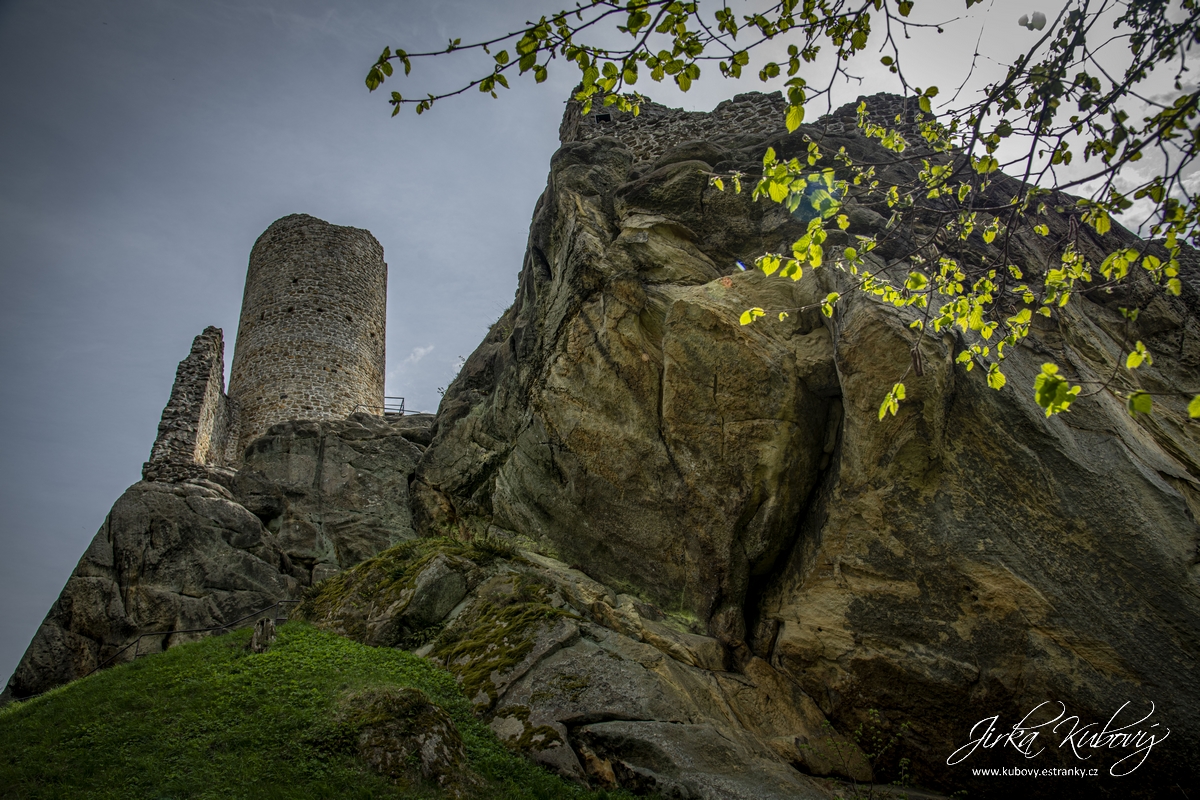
pixel 1065 116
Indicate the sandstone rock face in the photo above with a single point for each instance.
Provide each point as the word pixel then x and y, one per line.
pixel 642 418
pixel 170 557
pixel 333 492
pixel 965 558
pixel 311 499
pixel 591 684
pixel 688 558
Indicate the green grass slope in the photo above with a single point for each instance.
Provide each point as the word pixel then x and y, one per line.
pixel 213 720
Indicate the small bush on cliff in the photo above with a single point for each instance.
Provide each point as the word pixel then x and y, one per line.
pixel 212 720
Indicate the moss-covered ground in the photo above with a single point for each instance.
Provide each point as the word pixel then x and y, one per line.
pixel 378 582
pixel 213 720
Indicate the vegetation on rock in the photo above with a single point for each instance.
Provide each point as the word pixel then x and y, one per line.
pixel 955 218
pixel 213 720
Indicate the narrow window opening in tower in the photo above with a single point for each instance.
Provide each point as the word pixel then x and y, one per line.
pixel 291 309
pixel 603 118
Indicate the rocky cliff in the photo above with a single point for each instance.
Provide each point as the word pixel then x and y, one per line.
pixel 669 552
pixel 966 558
pixel 211 546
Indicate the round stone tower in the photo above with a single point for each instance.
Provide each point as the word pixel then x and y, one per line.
pixel 310 339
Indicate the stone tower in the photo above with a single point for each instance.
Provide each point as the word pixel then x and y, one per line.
pixel 310 342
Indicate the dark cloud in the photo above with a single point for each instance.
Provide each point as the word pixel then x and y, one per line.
pixel 145 145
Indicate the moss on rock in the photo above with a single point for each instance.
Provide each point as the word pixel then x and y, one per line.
pixel 496 634
pixel 399 732
pixel 368 602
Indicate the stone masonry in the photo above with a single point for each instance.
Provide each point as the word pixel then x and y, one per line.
pixel 198 423
pixel 657 128
pixel 310 340
pixel 310 347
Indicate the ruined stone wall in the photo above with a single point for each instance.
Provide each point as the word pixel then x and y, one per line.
pixel 195 425
pixel 657 128
pixel 310 341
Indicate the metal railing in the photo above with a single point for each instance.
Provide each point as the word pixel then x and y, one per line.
pixel 395 406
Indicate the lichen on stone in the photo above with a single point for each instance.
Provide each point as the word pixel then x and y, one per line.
pixel 496 634
pixel 367 602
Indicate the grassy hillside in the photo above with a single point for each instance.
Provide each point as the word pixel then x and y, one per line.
pixel 212 720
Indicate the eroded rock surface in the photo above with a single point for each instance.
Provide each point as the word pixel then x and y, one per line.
pixel 183 555
pixel 592 685
pixel 965 558
pixel 402 734
pixel 170 557
pixel 729 564
pixel 333 492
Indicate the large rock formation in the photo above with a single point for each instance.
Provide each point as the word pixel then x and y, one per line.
pixel 686 556
pixel 593 684
pixel 966 558
pixel 180 555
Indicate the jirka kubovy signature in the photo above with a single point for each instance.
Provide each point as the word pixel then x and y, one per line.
pixel 1080 736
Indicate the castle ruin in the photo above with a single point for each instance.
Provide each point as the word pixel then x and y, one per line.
pixel 310 345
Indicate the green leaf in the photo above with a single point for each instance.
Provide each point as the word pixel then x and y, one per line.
pixel 750 315
pixel 916 281
pixel 995 378
pixel 1139 402
pixel 1194 407
pixel 891 403
pixel 1137 356
pixel 1053 393
pixel 769 156
pixel 843 221
pixel 795 116
pixel 769 264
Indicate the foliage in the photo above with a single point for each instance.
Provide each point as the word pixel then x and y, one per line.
pixel 213 720
pixel 1060 100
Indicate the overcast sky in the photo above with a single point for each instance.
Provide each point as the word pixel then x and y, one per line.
pixel 144 146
